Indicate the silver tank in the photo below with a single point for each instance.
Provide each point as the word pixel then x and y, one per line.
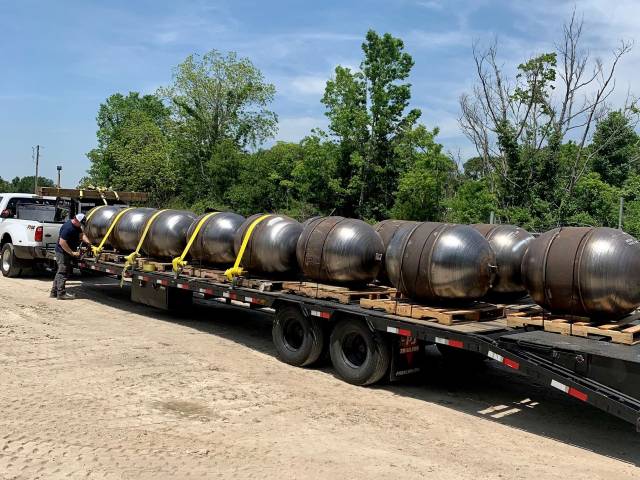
pixel 272 245
pixel 339 250
pixel 167 235
pixel 584 271
pixel 99 222
pixel 127 232
pixel 214 243
pixel 387 229
pixel 509 243
pixel 439 261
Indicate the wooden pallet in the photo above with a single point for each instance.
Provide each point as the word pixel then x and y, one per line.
pixel 625 331
pixel 264 285
pixel 340 294
pixel 477 312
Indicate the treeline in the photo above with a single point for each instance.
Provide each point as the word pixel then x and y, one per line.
pixel 24 184
pixel 552 149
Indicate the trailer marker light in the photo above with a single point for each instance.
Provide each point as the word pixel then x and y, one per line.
pixel 505 361
pixel 183 286
pixel 162 282
pixel 450 343
pixel 229 295
pixel 317 313
pixel 400 331
pixel 206 291
pixel 569 390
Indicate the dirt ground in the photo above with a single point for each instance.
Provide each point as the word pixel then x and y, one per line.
pixel 100 387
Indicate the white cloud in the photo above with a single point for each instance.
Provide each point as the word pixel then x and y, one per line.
pixel 309 84
pixel 431 4
pixel 294 129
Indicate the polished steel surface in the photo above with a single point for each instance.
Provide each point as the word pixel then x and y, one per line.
pixel 97 226
pixel 509 243
pixel 387 229
pixel 584 271
pixel 339 250
pixel 214 243
pixel 439 261
pixel 167 235
pixel 272 246
pixel 127 232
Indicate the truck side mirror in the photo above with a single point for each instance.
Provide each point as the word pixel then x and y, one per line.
pixel 6 213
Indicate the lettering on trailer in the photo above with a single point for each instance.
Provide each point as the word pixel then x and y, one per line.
pixel 317 313
pixel 400 331
pixel 569 390
pixel 450 343
pixel 505 361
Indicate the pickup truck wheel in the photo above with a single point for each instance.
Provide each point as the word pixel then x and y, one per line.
pixel 298 339
pixel 10 265
pixel 360 356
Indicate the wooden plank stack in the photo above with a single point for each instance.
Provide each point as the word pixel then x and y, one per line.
pixel 625 331
pixel 475 312
pixel 341 294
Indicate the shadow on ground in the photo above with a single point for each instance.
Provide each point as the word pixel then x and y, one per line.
pixel 488 391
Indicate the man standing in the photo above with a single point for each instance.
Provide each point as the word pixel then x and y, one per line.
pixel 66 250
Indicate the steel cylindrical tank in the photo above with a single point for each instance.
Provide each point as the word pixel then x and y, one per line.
pixel 509 243
pixel 214 243
pixel 127 232
pixel 99 221
pixel 340 250
pixel 440 261
pixel 272 245
pixel 584 271
pixel 167 235
pixel 387 229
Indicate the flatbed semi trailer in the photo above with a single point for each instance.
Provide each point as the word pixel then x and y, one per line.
pixel 366 345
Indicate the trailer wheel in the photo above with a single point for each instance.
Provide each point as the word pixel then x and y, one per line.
pixel 299 339
pixel 360 356
pixel 9 264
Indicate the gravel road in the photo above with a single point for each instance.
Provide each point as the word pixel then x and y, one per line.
pixel 100 387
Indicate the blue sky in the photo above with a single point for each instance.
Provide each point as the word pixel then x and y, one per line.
pixel 59 60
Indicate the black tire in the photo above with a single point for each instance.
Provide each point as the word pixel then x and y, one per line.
pixel 299 339
pixel 360 356
pixel 10 265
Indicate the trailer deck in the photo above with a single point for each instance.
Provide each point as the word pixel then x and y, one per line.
pixel 595 371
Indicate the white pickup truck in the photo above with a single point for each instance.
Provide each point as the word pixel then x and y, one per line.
pixel 29 227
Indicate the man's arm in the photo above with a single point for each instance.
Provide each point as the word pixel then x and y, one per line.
pixel 85 239
pixel 65 246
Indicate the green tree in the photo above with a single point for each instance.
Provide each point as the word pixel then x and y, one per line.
pixel 143 159
pixel 27 184
pixel 367 114
pixel 217 100
pixel 4 185
pixel 114 118
pixel 594 202
pixel 615 148
pixel 473 202
pixel 427 178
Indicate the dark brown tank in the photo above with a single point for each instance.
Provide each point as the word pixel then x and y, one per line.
pixel 388 229
pixel 584 271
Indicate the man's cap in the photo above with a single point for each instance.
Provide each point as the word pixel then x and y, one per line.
pixel 81 218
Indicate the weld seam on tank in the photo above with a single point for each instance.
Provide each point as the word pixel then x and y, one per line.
pixel 436 234
pixel 545 290
pixel 402 285
pixel 577 264
pixel 324 241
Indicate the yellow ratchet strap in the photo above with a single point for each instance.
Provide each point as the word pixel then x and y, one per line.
pixel 94 210
pixel 96 250
pixel 131 258
pixel 236 270
pixel 178 262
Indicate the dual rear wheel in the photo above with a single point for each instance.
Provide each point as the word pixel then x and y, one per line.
pixel 359 355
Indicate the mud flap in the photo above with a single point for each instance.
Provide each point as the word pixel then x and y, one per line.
pixel 407 355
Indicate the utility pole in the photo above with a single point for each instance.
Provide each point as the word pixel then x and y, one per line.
pixel 59 168
pixel 37 159
pixel 620 213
